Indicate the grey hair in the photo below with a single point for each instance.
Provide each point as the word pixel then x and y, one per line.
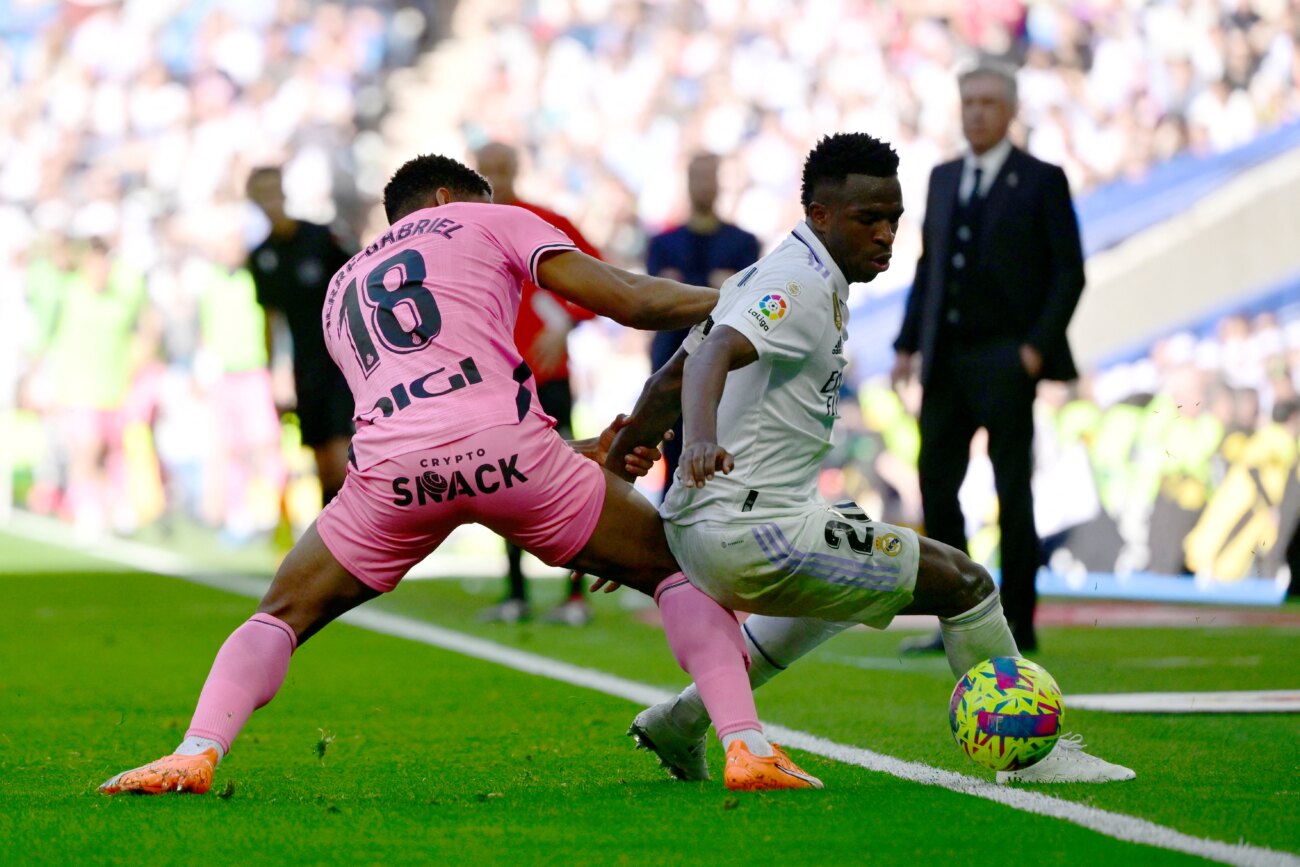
pixel 992 69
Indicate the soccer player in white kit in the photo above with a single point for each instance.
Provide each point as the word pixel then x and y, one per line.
pixel 758 384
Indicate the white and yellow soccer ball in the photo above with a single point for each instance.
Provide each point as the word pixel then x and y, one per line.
pixel 1006 713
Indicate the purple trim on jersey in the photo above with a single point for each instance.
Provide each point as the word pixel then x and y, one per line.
pixel 814 261
pixel 536 258
pixel 833 570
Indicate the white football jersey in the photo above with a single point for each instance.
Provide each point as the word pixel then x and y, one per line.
pixel 776 414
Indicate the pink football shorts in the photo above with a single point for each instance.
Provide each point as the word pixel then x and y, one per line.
pixel 522 481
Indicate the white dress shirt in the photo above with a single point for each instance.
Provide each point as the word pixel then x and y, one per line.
pixel 990 163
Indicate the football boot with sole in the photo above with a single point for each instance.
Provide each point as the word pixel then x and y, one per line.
pixel 747 772
pixel 174 773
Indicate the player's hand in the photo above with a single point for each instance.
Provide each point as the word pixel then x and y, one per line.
pixel 637 462
pixel 1032 360
pixel 700 461
pixel 603 584
pixel 904 363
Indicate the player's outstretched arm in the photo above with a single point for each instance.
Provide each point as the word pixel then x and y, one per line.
pixel 655 411
pixel 636 300
pixel 703 379
pixel 634 463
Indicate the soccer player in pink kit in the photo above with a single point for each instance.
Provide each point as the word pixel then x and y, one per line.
pixel 449 431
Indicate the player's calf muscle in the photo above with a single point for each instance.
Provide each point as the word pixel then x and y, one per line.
pixel 948 582
pixel 311 588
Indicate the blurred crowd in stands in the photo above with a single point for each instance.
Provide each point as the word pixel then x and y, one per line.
pixel 129 126
pixel 1182 461
pixel 127 131
pixel 611 98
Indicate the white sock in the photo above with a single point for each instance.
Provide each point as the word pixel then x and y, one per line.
pixel 979 634
pixel 773 644
pixel 192 746
pixel 754 740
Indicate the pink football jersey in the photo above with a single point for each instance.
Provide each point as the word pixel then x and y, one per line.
pixel 421 323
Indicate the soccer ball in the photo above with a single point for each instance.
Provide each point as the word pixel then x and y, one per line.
pixel 1006 713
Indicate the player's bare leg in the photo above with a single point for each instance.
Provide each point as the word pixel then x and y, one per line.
pixel 310 589
pixel 629 547
pixel 949 585
pixel 962 595
pixel 331 466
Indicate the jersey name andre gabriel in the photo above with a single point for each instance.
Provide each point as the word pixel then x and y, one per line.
pixel 777 413
pixel 421 323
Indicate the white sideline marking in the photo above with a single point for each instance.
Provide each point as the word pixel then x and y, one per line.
pixel 1121 827
pixel 935 665
pixel 1195 662
pixel 1242 701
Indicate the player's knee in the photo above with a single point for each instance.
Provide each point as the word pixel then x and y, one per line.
pixel 973 584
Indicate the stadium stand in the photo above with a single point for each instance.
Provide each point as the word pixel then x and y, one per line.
pixel 611 98
pixel 135 121
pixel 130 126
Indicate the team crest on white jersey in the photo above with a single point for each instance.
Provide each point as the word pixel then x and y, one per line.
pixel 839 316
pixel 793 289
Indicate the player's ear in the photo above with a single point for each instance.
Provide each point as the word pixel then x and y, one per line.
pixel 443 196
pixel 818 216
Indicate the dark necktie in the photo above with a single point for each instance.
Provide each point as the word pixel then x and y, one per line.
pixel 975 193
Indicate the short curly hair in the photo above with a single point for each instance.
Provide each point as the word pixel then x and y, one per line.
pixel 412 185
pixel 846 153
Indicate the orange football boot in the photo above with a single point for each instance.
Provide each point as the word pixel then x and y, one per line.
pixel 747 772
pixel 174 773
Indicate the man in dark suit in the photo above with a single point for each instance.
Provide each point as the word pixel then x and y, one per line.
pixel 999 277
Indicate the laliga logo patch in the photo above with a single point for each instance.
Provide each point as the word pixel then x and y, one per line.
pixel 768 311
pixel 773 306
pixel 890 544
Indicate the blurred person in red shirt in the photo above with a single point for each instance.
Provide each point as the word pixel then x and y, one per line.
pixel 541 335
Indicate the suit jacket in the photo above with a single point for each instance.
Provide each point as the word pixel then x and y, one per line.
pixel 1029 251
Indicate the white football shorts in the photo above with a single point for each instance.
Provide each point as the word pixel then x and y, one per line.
pixel 827 561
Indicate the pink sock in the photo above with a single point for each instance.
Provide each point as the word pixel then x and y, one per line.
pixel 246 674
pixel 707 643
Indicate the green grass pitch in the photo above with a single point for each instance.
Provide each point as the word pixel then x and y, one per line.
pixel 383 750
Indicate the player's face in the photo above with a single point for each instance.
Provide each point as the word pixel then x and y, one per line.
pixel 986 111
pixel 498 164
pixel 857 221
pixel 702 184
pixel 266 192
